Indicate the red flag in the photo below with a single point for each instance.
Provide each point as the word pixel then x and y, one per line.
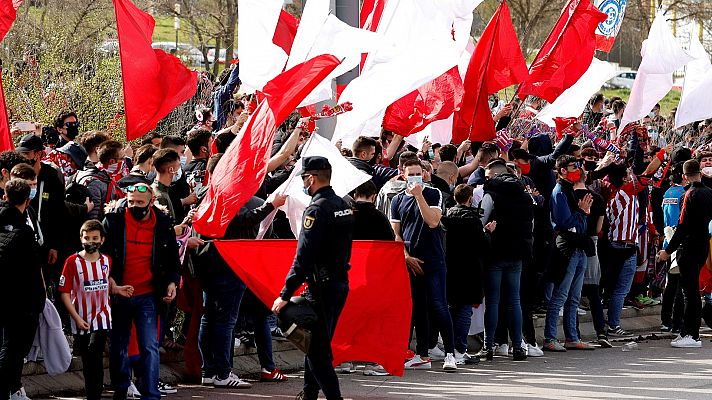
pixel 5 137
pixel 375 323
pixel 244 165
pixel 371 13
pixel 286 31
pixel 562 124
pixel 433 101
pixel 567 52
pixel 8 13
pixel 496 63
pixel 155 83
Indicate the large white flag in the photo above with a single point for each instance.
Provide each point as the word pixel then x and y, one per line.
pixel 344 178
pixel 695 104
pixel 662 55
pixel 260 59
pixel 418 47
pixel 573 101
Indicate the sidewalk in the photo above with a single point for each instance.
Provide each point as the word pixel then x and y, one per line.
pixel 287 357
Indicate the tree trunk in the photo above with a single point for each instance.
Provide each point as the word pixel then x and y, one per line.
pixel 230 31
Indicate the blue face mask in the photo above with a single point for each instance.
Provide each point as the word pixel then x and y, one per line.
pixel 33 193
pixel 151 175
pixel 183 160
pixel 412 180
pixel 177 175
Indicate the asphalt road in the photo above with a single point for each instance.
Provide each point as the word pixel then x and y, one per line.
pixel 655 371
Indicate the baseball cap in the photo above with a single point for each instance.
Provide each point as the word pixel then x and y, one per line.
pixel 30 142
pixel 316 163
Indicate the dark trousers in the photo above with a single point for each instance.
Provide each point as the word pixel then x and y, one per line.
pixel 221 304
pixel 319 373
pixel 691 258
pixel 18 333
pixel 91 350
pixel 673 306
pixel 430 298
pixel 593 293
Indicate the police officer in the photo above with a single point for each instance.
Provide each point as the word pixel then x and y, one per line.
pixel 691 240
pixel 322 260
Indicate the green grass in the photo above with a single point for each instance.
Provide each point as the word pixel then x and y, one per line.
pixel 669 102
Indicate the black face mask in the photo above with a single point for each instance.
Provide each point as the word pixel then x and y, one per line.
pixel 91 248
pixel 72 132
pixel 139 213
pixel 590 165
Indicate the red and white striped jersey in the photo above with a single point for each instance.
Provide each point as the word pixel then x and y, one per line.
pixel 88 284
pixel 622 215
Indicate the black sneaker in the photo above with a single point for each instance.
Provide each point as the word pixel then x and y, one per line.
pixel 519 354
pixel 487 354
pixel 603 342
pixel 618 332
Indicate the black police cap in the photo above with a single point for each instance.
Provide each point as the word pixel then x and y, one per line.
pixel 316 163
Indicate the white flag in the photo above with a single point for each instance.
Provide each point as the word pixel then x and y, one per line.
pixel 662 55
pixel 418 47
pixel 695 104
pixel 344 178
pixel 573 101
pixel 260 59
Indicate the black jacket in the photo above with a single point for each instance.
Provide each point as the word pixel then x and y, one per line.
pixel 692 232
pixel 165 265
pixel 370 223
pixel 52 212
pixel 21 265
pixel 324 247
pixel 514 213
pixel 465 245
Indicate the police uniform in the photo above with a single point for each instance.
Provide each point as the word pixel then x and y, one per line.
pixel 322 260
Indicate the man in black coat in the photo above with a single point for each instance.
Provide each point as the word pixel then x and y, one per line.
pixel 369 222
pixel 691 240
pixel 465 243
pixel 24 296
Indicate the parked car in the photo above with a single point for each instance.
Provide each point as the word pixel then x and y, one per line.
pixel 221 58
pixel 190 55
pixel 623 80
pixel 109 48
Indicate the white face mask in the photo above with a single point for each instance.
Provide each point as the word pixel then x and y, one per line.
pixel 707 171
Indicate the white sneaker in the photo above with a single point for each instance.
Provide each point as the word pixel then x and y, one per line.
pixel 232 380
pixel 534 351
pixel 580 311
pixel 418 362
pixel 132 392
pixel 449 364
pixel 436 354
pixel 678 337
pixel 345 368
pixel 375 370
pixel 19 395
pixel 459 358
pixel 501 350
pixel 207 380
pixel 686 342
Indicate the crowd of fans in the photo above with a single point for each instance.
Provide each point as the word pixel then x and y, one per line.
pixel 539 223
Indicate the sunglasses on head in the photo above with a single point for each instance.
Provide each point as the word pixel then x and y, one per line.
pixel 137 188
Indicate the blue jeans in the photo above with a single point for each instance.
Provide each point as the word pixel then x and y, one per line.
pixel 221 304
pixel 428 292
pixel 263 340
pixel 142 311
pixel 461 317
pixel 567 294
pixel 503 276
pixel 621 286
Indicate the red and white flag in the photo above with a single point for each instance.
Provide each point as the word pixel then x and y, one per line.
pixel 243 167
pixel 8 13
pixel 607 30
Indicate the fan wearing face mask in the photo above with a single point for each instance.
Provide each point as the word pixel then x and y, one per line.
pixel 705 160
pixel 167 164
